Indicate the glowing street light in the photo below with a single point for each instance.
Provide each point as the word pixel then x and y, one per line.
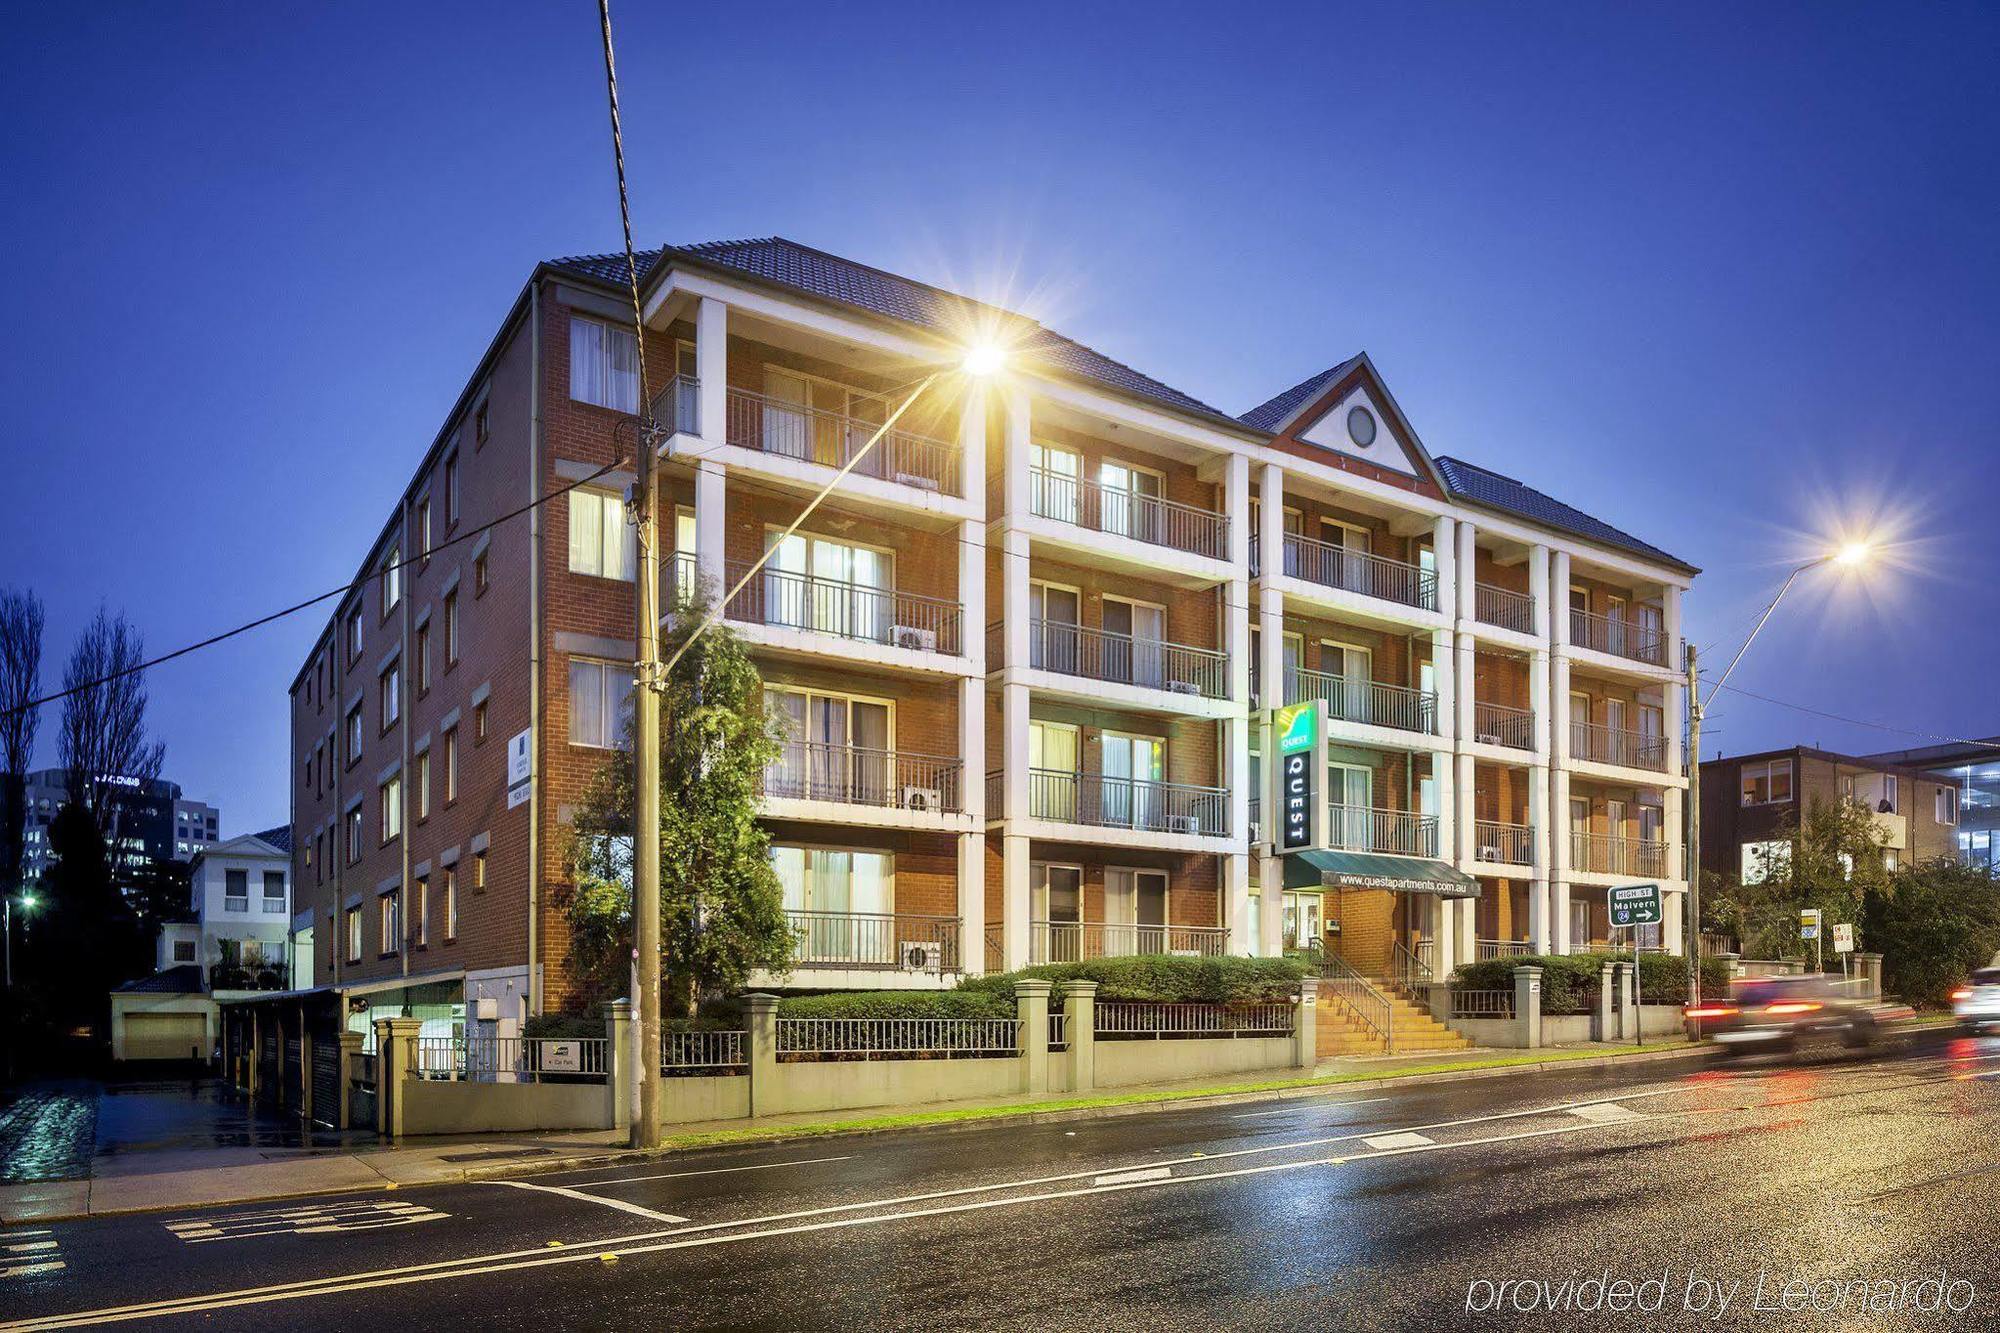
pixel 1853 553
pixel 985 359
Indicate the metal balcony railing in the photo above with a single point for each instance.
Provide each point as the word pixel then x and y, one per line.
pixel 1503 844
pixel 1609 854
pixel 1099 801
pixel 1610 745
pixel 1143 518
pixel 1618 637
pixel 816 435
pixel 1075 941
pixel 1350 700
pixel 845 610
pixel 1499 724
pixel 856 775
pixel 1095 654
pixel 1364 572
pixel 1357 828
pixel 1503 607
pixel 1485 950
pixel 877 941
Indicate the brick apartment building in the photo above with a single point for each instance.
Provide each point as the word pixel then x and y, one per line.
pixel 1751 803
pixel 1023 646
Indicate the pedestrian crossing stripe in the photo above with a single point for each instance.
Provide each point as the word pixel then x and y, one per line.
pixel 308 1220
pixel 37 1254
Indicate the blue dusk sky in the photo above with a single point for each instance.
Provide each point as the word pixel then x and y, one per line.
pixel 1722 275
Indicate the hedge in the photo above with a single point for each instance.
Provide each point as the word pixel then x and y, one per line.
pixel 1569 981
pixel 1163 979
pixel 899 1004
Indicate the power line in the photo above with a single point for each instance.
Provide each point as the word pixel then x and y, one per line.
pixel 313 601
pixel 1862 722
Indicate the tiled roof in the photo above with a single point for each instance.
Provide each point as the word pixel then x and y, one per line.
pixel 182 980
pixel 279 837
pixel 1273 412
pixel 786 263
pixel 1468 481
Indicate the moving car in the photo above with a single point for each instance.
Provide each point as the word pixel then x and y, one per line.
pixel 1786 1013
pixel 1977 1003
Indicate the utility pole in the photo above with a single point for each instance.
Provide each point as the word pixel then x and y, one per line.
pixel 1694 834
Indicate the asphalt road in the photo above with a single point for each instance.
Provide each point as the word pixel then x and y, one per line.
pixel 1377 1209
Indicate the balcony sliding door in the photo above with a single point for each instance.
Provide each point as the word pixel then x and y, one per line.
pixel 834 587
pixel 837 748
pixel 1053 612
pixel 1129 501
pixel 1133 766
pixel 1135 911
pixel 1053 765
pixel 1056 902
pixel 1055 483
pixel 1132 645
pixel 841 904
pixel 1351 796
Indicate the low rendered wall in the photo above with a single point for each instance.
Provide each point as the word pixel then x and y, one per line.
pixel 1123 1063
pixel 846 1085
pixel 1500 1033
pixel 437 1106
pixel 704 1097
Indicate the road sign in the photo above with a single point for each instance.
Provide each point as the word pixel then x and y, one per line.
pixel 1634 905
pixel 1843 937
pixel 1809 918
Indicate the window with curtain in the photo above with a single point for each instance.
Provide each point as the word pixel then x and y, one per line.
pixel 837 748
pixel 842 903
pixel 274 890
pixel 601 540
pixel 603 365
pixel 600 703
pixel 817 583
pixel 1055 483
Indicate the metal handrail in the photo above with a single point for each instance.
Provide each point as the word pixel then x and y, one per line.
pixel 1503 844
pixel 678 406
pixel 768 425
pixel 858 775
pixel 1097 654
pixel 1503 724
pixel 1482 1003
pixel 1146 518
pixel 897 1038
pixel 877 941
pixel 700 1048
pixel 1503 607
pixel 845 610
pixel 1611 854
pixel 1617 745
pixel 1364 572
pixel 1370 1005
pixel 1358 828
pixel 1131 1019
pixel 1135 803
pixel 1366 701
pixel 1076 941
pixel 1411 971
pixel 1618 637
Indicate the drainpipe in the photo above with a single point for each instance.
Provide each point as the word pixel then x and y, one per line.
pixel 533 985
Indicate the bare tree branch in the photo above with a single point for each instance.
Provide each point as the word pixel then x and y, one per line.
pixel 20 683
pixel 104 716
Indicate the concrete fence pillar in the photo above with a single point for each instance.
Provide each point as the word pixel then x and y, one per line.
pixel 305 1072
pixel 253 1064
pixel 1607 981
pixel 1080 1003
pixel 350 1056
pixel 760 1039
pixel 1628 1001
pixel 1528 1004
pixel 1031 1006
pixel 395 1065
pixel 1731 963
pixel 1305 1025
pixel 1868 966
pixel 622 1059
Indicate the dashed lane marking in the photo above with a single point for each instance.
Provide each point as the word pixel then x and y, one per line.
pixel 1604 1113
pixel 311 1220
pixel 1132 1177
pixel 1403 1140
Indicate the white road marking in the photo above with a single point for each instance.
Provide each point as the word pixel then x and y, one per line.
pixel 309 1220
pixel 29 1246
pixel 45 1258
pixel 1317 1105
pixel 568 1193
pixel 1605 1112
pixel 1402 1140
pixel 1128 1177
pixel 712 1171
pixel 29 1270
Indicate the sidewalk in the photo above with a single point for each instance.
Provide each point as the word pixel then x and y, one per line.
pixel 178 1178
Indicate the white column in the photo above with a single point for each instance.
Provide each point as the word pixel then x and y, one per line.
pixel 972 747
pixel 1014 705
pixel 1236 730
pixel 1444 554
pixel 1538 887
pixel 1673 923
pixel 1670 624
pixel 1468 571
pixel 1468 929
pixel 1468 812
pixel 972 900
pixel 972 444
pixel 1559 843
pixel 1443 931
pixel 1270 906
pixel 1465 685
pixel 1540 701
pixel 711 367
pixel 1444 671
pixel 1444 786
pixel 1559 598
pixel 1014 935
pixel 1270 538
pixel 1538 588
pixel 1014 561
pixel 711 490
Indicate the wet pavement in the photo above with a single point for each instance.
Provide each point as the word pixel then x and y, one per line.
pixel 48 1131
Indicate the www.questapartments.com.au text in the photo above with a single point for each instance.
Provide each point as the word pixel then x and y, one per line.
pixel 1708 1292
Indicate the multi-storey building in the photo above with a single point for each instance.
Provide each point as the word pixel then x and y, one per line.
pixel 1026 646
pixel 151 820
pixel 1751 804
pixel 1973 767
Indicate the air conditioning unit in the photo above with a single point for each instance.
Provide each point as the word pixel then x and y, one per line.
pixel 921 956
pixel 1183 687
pixel 928 800
pixel 910 636
pixel 1183 824
pixel 1487 854
pixel 917 480
pixel 1489 738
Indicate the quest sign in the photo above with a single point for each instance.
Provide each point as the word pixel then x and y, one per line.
pixel 1300 744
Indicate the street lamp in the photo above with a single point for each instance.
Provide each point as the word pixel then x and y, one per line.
pixel 1852 554
pixel 28 902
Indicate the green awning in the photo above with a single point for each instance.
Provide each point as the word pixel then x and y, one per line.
pixel 1318 868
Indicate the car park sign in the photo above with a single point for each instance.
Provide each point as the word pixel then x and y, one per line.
pixel 1809 919
pixel 1634 905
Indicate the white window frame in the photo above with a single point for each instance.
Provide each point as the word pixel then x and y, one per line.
pixel 591 511
pixel 590 357
pixel 1944 805
pixel 615 711
pixel 1766 772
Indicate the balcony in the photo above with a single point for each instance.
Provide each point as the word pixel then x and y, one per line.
pixel 857 776
pixel 1610 745
pixel 1346 570
pixel 1356 828
pixel 1364 701
pixel 781 429
pixel 874 941
pixel 1618 637
pixel 1142 518
pixel 1503 608
pixel 1100 801
pixel 1499 724
pixel 1503 844
pixel 1607 854
pixel 1123 659
pixel 1075 941
pixel 843 610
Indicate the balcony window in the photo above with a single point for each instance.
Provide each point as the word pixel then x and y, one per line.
pixel 836 587
pixel 353 934
pixel 1130 501
pixel 817 420
pixel 603 365
pixel 602 542
pixel 1054 753
pixel 839 903
pixel 390 802
pixel 837 748
pixel 1055 483
pixel 1133 765
pixel 1770 783
pixel 390 908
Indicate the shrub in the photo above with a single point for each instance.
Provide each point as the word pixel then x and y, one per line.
pixel 1163 979
pixel 1935 923
pixel 563 1026
pixel 1569 981
pixel 899 1004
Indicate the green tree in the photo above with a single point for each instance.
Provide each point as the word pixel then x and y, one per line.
pixel 722 912
pixel 1828 857
pixel 1933 923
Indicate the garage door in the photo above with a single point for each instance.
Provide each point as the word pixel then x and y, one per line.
pixel 165 1036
